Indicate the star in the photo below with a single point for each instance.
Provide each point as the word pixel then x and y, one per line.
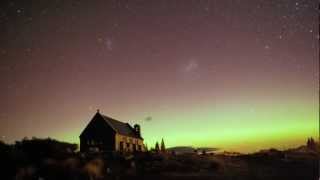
pixel 28 50
pixel 99 39
pixel 267 47
pixel 3 51
pixel 44 11
pixel 299 67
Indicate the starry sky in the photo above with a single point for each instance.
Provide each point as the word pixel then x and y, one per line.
pixel 235 74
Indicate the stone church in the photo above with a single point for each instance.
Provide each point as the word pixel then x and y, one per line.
pixel 105 134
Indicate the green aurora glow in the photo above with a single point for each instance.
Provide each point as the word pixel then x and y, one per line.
pixel 234 127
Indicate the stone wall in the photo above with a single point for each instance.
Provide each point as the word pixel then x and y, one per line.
pixel 129 144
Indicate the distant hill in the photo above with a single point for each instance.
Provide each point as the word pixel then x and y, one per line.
pixel 181 149
pixel 304 150
pixel 191 150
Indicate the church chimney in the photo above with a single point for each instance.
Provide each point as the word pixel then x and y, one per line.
pixel 137 129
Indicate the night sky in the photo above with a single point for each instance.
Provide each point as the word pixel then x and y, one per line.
pixel 239 75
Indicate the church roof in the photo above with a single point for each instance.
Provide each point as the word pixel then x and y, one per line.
pixel 121 127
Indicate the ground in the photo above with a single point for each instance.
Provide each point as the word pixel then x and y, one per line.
pixel 50 160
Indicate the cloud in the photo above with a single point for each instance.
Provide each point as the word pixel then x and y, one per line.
pixel 109 44
pixel 148 119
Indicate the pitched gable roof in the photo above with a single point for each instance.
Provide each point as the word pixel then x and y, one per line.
pixel 120 127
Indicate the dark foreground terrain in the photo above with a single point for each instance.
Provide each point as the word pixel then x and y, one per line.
pixel 50 160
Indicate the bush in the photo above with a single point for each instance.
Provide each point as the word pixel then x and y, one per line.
pixel 94 169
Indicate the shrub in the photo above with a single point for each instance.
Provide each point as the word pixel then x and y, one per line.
pixel 94 169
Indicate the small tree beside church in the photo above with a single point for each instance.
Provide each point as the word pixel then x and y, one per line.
pixel 157 148
pixel 162 147
pixel 146 147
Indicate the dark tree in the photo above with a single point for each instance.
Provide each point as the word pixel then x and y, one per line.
pixel 146 147
pixel 37 149
pixel 163 147
pixel 311 144
pixel 156 147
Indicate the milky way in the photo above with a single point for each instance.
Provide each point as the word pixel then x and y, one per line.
pixel 238 74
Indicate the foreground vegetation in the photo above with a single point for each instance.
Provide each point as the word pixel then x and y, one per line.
pixel 47 159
